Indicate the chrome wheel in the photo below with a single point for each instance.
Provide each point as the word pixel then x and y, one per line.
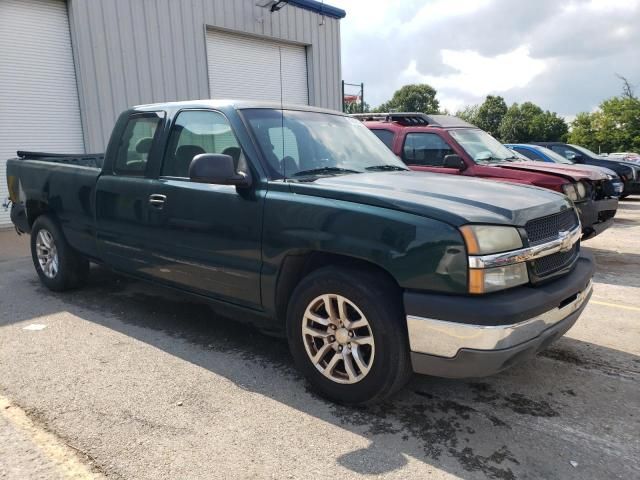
pixel 338 338
pixel 47 253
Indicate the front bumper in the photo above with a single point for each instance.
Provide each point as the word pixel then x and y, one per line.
pixel 477 336
pixel 596 215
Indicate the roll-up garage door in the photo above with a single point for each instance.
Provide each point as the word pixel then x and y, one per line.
pixel 38 94
pixel 242 67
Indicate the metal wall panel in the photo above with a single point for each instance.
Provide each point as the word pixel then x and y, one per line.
pixel 144 51
pixel 38 96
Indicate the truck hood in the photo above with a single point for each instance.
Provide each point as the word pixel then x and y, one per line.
pixel 570 172
pixel 454 200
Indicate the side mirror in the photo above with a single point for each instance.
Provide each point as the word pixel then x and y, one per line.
pixel 454 161
pixel 217 169
pixel 578 158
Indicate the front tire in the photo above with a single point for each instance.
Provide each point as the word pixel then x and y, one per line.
pixel 347 334
pixel 58 265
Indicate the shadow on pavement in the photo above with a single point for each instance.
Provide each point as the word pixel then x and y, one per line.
pixel 472 428
pixel 616 268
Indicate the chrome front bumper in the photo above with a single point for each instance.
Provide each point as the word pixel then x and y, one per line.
pixel 445 339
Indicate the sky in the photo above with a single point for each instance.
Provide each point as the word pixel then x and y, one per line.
pixel 560 54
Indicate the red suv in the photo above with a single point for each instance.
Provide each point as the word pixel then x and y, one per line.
pixel 447 144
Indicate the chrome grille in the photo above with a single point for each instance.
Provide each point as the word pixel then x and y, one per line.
pixel 545 266
pixel 545 229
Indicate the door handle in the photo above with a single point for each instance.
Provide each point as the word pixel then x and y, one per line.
pixel 157 200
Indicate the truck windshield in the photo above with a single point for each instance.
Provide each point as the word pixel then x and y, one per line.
pixel 301 145
pixel 482 147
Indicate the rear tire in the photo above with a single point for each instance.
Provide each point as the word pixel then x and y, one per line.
pixel 58 265
pixel 347 333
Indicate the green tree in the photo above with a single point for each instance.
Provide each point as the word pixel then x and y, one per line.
pixel 490 114
pixel 469 114
pixel 527 122
pixel 582 132
pixel 412 98
pixel 615 126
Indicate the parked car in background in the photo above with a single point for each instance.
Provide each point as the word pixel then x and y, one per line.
pixel 299 220
pixel 613 187
pixel 624 156
pixel 447 144
pixel 628 172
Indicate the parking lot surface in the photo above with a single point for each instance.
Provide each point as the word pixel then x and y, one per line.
pixel 143 383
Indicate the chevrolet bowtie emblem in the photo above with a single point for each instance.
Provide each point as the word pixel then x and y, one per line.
pixel 565 241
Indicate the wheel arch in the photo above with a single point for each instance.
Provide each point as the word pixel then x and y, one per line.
pixel 36 208
pixel 297 266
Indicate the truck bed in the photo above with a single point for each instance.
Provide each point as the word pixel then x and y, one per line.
pixel 85 159
pixel 67 182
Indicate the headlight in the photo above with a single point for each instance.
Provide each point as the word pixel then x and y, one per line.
pixel 489 239
pixel 570 191
pixel 581 189
pixel 484 239
pixel 486 280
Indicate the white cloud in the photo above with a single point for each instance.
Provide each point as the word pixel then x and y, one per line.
pixel 438 11
pixel 562 55
pixel 478 75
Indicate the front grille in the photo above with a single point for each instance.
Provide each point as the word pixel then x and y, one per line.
pixel 550 264
pixel 545 229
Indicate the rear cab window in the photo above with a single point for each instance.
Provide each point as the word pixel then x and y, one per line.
pixel 136 142
pixel 386 136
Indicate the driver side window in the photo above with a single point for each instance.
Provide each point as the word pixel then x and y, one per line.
pixel 425 149
pixel 195 132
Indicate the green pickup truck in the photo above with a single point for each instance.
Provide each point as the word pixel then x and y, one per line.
pixel 304 223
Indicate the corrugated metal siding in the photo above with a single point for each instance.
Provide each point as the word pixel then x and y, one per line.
pixel 38 96
pixel 145 51
pixel 247 67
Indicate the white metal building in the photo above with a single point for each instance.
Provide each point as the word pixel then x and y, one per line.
pixel 68 68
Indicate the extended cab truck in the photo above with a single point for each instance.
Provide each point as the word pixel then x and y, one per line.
pixel 300 220
pixel 446 144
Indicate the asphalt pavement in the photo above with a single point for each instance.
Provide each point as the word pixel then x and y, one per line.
pixel 126 380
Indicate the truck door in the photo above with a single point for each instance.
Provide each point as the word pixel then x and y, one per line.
pixel 202 237
pixel 121 194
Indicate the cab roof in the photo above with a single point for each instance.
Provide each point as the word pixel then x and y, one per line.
pixel 234 104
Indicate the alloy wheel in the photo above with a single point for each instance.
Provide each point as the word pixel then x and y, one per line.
pixel 47 253
pixel 338 338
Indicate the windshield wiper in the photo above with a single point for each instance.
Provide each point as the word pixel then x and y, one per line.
pixel 382 168
pixel 324 170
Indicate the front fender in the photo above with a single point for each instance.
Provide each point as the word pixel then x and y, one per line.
pixel 419 253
